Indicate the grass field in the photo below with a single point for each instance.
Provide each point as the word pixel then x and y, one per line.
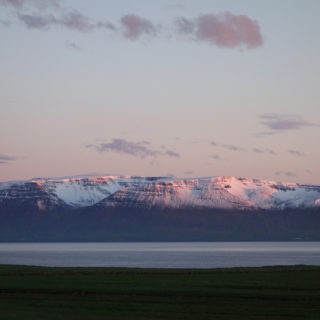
pixel 118 293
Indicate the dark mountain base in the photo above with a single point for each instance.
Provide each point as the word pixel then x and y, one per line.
pixel 123 224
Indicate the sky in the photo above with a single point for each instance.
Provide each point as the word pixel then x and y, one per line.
pixel 157 88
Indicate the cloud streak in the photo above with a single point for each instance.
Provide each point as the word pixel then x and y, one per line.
pixel 229 147
pixel 223 30
pixel 172 154
pixel 215 157
pixel 296 153
pixel 280 123
pixel 257 150
pixel 260 151
pixel 72 20
pixel 73 46
pixel 288 174
pixel 5 159
pixel 140 149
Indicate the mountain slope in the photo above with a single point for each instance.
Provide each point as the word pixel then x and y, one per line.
pixel 118 208
pixel 157 192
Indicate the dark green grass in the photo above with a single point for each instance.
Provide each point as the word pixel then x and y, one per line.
pixel 118 293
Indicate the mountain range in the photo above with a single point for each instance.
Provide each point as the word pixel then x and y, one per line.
pixel 116 208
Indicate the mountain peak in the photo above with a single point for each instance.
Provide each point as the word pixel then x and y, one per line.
pixel 135 191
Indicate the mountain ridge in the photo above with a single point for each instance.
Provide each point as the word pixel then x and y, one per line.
pixel 132 208
pixel 222 192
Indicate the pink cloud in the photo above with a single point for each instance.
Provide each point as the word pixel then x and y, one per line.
pixel 135 26
pixel 224 30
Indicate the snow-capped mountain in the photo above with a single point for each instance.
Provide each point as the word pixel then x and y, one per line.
pixel 159 192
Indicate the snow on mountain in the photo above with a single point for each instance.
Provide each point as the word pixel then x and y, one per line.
pixel 148 192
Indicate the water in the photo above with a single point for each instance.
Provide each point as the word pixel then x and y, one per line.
pixel 161 254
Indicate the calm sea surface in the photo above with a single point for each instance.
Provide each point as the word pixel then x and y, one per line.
pixel 161 254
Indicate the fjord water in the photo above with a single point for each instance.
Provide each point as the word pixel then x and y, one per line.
pixel 161 254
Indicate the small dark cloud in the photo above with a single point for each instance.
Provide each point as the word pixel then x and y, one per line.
pixel 215 156
pixel 72 20
pixel 288 174
pixel 263 151
pixel 170 175
pixel 106 25
pixel 73 46
pixel 257 150
pixel 185 26
pixel 264 134
pixel 231 147
pixel 33 21
pixel 136 149
pixel 172 154
pixel 188 172
pixel 223 30
pixel 270 151
pixel 135 27
pixel 5 159
pixel 296 153
pixel 140 149
pixel 280 123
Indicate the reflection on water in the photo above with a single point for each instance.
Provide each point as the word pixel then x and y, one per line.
pixel 161 254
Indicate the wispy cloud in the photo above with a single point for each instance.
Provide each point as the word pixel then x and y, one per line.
pixel 223 30
pixel 41 4
pixel 257 150
pixel 263 151
pixel 270 151
pixel 5 159
pixel 296 153
pixel 277 122
pixel 288 174
pixel 172 154
pixel 135 27
pixel 73 46
pixel 264 134
pixel 73 20
pixel 230 147
pixel 140 149
pixel 215 156
pixel 188 172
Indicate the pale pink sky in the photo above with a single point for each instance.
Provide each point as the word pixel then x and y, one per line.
pixel 199 88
